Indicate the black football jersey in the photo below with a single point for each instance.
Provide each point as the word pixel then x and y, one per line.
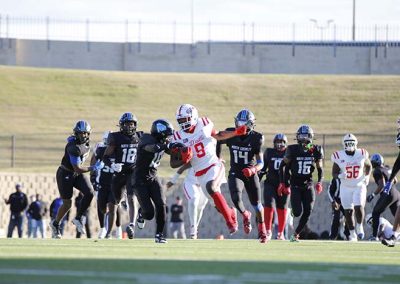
pixel 103 176
pixel 147 162
pixel 243 149
pixel 302 162
pixel 125 149
pixel 272 161
pixel 74 149
pixel 384 171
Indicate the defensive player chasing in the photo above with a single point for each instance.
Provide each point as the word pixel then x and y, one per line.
pixel 148 187
pixel 390 242
pixel 199 135
pixel 70 175
pixel 272 160
pixel 352 166
pixel 122 147
pixel 246 160
pixel 392 200
pixel 297 166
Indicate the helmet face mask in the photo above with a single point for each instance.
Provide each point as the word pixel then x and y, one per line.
pixel 280 142
pixel 128 123
pixel 350 143
pixel 82 131
pixel 305 136
pixel 245 117
pixel 162 130
pixel 187 117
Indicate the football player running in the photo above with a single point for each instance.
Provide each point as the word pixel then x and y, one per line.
pixel 120 157
pixel 272 160
pixel 199 137
pixel 352 166
pixel 390 242
pixel 101 181
pixel 381 174
pixel 246 160
pixel 148 187
pixel 297 166
pixel 196 198
pixel 70 175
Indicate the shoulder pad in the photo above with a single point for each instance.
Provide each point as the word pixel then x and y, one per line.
pixel 205 121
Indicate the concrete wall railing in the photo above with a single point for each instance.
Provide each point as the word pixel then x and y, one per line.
pixel 212 57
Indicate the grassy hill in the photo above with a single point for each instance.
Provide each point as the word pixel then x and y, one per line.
pixel 40 106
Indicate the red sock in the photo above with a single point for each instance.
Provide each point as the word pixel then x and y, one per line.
pixel 268 217
pixel 282 214
pixel 222 206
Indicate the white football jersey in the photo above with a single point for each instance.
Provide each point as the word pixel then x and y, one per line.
pixel 352 166
pixel 202 143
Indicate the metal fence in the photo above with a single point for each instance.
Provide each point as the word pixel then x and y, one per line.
pixel 46 150
pixel 135 30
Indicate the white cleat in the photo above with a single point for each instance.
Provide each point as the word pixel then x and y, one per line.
pixel 118 233
pixel 102 233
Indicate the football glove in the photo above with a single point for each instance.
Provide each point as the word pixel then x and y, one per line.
pixel 117 167
pixel 186 154
pixel 241 130
pixel 370 197
pixel 387 187
pixel 250 171
pixel 318 188
pixel 97 166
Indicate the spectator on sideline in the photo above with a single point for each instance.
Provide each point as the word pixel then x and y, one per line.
pixel 29 218
pixel 18 203
pixel 177 225
pixel 37 211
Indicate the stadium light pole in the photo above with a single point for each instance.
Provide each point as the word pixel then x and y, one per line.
pixel 322 28
pixel 353 28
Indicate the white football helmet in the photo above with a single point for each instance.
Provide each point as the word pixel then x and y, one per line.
pixel 187 116
pixel 349 143
pixel 105 137
pixel 368 220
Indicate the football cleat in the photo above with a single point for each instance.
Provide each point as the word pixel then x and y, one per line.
pixel 262 233
pixel 247 222
pixel 269 234
pixel 130 231
pixel 102 233
pixel 295 238
pixel 373 239
pixel 193 233
pixel 353 237
pixel 139 220
pixel 55 230
pixel 159 238
pixel 108 237
pixel 80 226
pixel 390 242
pixel 360 232
pixel 280 237
pixel 233 225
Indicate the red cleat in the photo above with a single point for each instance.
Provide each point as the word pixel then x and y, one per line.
pixel 233 225
pixel 262 233
pixel 247 221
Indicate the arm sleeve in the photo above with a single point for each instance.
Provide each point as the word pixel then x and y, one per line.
pixel 259 144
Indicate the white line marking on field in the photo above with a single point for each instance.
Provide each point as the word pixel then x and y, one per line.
pixel 359 274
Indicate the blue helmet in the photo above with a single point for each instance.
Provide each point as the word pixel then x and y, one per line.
pixel 245 117
pixel 162 130
pixel 377 160
pixel 280 142
pixel 305 135
pixel 128 123
pixel 82 131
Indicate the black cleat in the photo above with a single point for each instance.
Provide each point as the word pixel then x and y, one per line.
pixel 390 242
pixel 55 230
pixel 139 220
pixel 159 238
pixel 130 231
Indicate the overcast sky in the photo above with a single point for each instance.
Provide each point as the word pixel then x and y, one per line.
pixel 230 11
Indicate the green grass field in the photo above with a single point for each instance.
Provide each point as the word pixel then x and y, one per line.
pixel 200 261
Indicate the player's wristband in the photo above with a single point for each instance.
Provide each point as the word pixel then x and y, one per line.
pixel 174 178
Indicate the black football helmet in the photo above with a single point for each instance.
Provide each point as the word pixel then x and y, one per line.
pixel 162 130
pixel 245 117
pixel 377 160
pixel 280 142
pixel 82 131
pixel 305 136
pixel 128 123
